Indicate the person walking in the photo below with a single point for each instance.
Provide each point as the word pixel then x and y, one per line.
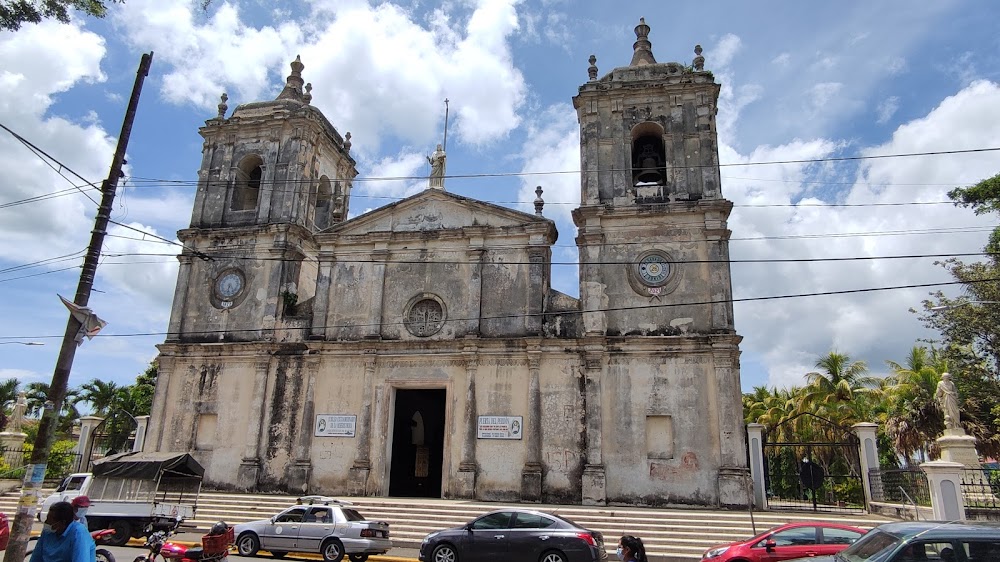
pixel 63 539
pixel 631 549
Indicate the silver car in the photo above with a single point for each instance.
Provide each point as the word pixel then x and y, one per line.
pixel 315 524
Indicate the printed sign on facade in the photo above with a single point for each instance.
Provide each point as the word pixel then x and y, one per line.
pixel 334 425
pixel 499 427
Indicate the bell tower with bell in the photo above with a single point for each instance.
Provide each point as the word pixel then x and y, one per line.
pixel 655 284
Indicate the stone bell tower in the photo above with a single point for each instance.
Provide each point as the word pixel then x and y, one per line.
pixel 655 280
pixel 652 213
pixel 273 174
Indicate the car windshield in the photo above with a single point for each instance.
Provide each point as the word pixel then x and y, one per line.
pixel 352 515
pixel 875 546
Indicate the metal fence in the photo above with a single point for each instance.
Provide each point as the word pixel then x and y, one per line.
pixel 905 486
pixel 13 461
pixel 980 488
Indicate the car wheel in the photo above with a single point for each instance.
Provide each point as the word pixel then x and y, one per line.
pixel 552 556
pixel 248 544
pixel 278 554
pixel 444 553
pixel 358 557
pixel 104 555
pixel 332 550
pixel 123 532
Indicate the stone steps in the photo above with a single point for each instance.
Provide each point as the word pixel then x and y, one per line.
pixel 675 534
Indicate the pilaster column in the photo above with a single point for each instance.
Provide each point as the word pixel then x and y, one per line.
pixel 362 462
pixel 475 257
pixel 531 474
pixel 945 482
pixel 537 256
pixel 727 398
pixel 868 443
pixel 250 468
pixel 755 436
pixel 380 425
pixel 321 303
pixel 590 242
pixel 300 471
pixel 721 281
pixel 465 481
pixel 594 487
pixel 176 326
pixel 158 411
pixel 379 257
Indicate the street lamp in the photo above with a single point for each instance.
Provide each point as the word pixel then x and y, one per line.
pixel 963 303
pixel 23 342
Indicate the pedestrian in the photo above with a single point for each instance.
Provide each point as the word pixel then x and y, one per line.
pixel 63 539
pixel 80 505
pixel 630 549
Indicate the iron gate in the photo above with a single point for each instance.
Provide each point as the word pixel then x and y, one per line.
pixel 114 435
pixel 819 472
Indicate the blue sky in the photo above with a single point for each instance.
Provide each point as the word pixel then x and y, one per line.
pixel 801 81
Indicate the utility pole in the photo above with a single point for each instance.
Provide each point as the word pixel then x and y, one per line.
pixel 35 470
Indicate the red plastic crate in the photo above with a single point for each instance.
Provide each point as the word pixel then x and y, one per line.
pixel 213 544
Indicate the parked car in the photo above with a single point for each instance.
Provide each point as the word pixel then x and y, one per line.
pixel 924 541
pixel 315 524
pixel 784 542
pixel 4 531
pixel 515 534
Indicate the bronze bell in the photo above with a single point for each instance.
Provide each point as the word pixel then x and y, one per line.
pixel 649 166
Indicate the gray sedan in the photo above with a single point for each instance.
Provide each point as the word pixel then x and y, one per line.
pixel 318 524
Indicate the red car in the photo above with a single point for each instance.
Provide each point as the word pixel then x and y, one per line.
pixel 784 542
pixel 4 531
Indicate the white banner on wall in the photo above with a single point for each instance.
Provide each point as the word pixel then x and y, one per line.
pixel 335 425
pixel 499 427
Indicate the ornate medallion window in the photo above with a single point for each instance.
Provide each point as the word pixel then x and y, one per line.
pixel 424 315
pixel 653 273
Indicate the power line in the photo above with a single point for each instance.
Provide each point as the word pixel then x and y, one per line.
pixel 543 314
pixel 47 261
pixel 40 153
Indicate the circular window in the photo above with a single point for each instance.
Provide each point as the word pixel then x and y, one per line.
pixel 228 287
pixel 425 315
pixel 653 273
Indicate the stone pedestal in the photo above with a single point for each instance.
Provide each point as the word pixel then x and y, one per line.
pixel 958 447
pixel 734 486
pixel 945 482
pixel 248 474
pixel 358 480
pixel 755 442
pixel 463 485
pixel 594 490
pixel 297 476
pixel 12 440
pixel 531 483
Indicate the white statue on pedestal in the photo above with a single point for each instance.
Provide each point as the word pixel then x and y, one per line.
pixel 947 397
pixel 16 421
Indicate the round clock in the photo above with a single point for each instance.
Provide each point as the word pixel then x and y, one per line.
pixel 654 270
pixel 229 284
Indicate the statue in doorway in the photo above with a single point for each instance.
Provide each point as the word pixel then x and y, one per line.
pixel 17 414
pixel 947 398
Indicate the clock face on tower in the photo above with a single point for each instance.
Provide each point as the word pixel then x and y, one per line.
pixel 228 286
pixel 654 270
pixel 653 273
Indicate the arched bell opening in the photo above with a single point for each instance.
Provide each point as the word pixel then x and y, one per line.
pixel 649 156
pixel 246 190
pixel 324 200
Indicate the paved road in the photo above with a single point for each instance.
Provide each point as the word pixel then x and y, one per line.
pixel 130 553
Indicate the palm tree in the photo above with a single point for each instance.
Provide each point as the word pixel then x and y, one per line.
pixel 913 419
pixel 38 394
pixel 838 390
pixel 100 395
pixel 8 396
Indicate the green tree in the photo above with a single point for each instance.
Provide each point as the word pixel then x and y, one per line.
pixel 913 418
pixel 14 13
pixel 37 394
pixel 8 396
pixel 100 395
pixel 841 390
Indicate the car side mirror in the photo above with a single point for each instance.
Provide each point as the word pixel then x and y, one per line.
pixel 468 528
pixel 273 519
pixel 769 544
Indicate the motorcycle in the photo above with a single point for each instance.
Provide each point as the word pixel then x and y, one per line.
pixel 103 554
pixel 215 547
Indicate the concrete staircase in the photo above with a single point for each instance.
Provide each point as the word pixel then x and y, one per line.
pixel 669 534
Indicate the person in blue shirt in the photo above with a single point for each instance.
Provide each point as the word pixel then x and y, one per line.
pixel 63 539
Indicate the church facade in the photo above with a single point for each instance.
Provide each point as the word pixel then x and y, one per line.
pixel 419 349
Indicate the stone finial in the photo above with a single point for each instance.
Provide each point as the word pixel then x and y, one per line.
pixel 347 141
pixel 539 202
pixel 223 107
pixel 293 84
pixel 592 71
pixel 643 53
pixel 308 96
pixel 699 61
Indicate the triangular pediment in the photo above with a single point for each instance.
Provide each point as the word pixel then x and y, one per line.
pixel 435 210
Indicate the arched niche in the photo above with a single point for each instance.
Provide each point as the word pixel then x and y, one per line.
pixel 649 155
pixel 246 189
pixel 324 201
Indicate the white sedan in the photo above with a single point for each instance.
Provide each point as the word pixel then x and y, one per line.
pixel 315 524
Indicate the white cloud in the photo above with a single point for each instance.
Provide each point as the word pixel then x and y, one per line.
pixel 782 60
pixel 553 144
pixel 725 51
pixel 887 108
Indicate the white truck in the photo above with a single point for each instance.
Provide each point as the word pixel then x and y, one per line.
pixel 134 493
